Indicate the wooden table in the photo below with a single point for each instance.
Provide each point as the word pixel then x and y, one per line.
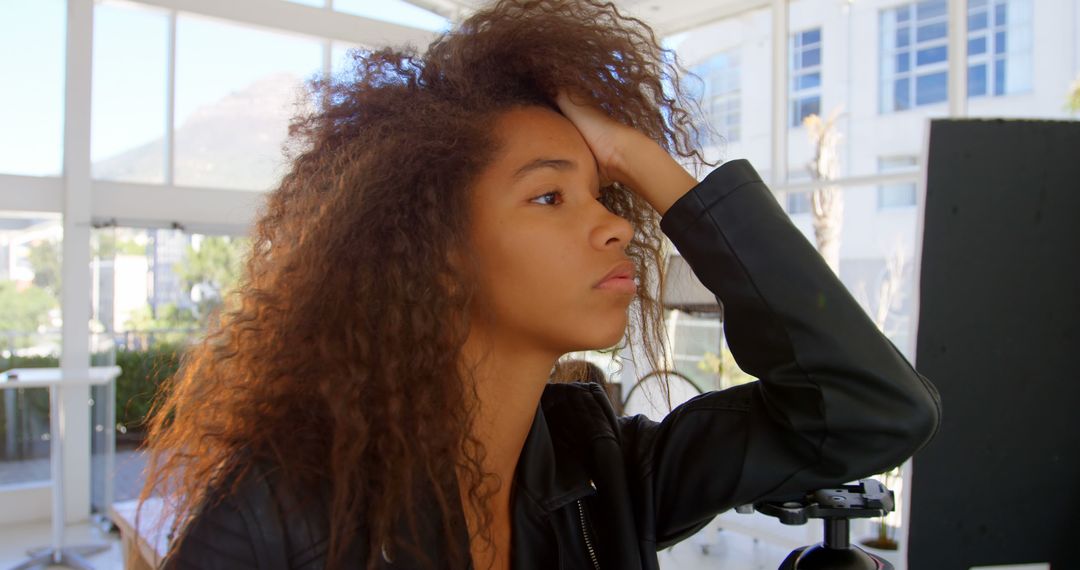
pixel 144 545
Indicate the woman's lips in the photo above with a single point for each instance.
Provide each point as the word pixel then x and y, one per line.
pixel 620 278
pixel 620 284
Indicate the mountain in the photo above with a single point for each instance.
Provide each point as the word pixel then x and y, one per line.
pixel 235 142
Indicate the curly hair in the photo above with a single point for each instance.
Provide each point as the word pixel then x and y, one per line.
pixel 336 360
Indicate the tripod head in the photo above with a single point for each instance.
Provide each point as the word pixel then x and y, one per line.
pixel 836 506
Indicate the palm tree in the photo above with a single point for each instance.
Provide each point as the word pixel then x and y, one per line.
pixel 827 202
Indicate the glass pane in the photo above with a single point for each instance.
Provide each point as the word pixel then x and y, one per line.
pixel 236 89
pixel 798 203
pixel 696 349
pixel 903 37
pixel 877 246
pixel 812 36
pixel 24 435
pixel 999 42
pixel 932 55
pixel 931 88
pixel 930 9
pixel 977 46
pixel 32 43
pixel 977 21
pixel 811 57
pixel 809 81
pixel 154 292
pixel 811 106
pixel 999 77
pixel 339 57
pixel 902 94
pixel 1000 12
pixel 931 32
pixel 160 286
pixel 903 62
pixel 976 80
pixel 29 338
pixel 130 59
pixel 395 11
pixel 896 196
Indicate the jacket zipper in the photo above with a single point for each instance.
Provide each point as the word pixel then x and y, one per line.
pixel 585 532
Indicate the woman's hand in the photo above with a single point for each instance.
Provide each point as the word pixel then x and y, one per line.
pixel 605 136
pixel 625 155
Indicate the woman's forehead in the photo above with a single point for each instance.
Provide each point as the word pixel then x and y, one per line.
pixel 532 138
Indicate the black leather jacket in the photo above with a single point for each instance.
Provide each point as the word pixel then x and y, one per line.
pixel 835 402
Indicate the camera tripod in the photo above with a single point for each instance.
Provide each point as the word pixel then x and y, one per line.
pixel 836 506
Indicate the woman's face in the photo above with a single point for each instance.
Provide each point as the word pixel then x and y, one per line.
pixel 546 248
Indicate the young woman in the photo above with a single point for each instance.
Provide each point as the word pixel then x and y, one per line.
pixel 377 394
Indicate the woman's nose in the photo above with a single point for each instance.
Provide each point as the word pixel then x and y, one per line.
pixel 611 230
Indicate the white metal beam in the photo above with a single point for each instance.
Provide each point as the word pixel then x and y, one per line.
pixel 779 92
pixel 75 263
pixel 709 13
pixel 170 101
pixel 300 19
pixel 31 193
pixel 449 9
pixel 898 177
pixel 205 210
pixel 958 58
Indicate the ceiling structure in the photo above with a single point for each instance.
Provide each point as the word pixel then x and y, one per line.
pixel 667 17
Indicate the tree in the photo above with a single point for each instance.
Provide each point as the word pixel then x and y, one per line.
pixel 210 270
pixel 827 203
pixel 23 310
pixel 171 325
pixel 889 294
pixel 44 257
pixel 725 366
pixel 1073 104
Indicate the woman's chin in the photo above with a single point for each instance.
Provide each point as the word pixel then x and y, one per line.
pixel 600 342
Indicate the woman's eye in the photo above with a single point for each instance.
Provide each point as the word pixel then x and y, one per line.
pixel 548 199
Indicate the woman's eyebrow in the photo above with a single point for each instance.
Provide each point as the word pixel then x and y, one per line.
pixel 560 164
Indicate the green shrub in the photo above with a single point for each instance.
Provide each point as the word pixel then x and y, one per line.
pixel 141 372
pixel 38 400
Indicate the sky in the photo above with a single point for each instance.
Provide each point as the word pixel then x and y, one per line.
pixel 213 59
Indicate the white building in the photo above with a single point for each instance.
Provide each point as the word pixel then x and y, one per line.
pixel 882 66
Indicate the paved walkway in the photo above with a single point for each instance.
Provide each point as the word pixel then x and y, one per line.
pixel 128 482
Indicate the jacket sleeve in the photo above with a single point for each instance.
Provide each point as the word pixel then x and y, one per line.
pixel 834 401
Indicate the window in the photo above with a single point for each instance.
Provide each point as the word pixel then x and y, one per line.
pixel 159 285
pixel 695 338
pixel 999 47
pixel 914 51
pixel 897 195
pixel 719 92
pixel 805 71
pixel 129 84
pixel 30 322
pixel 32 40
pixel 798 202
pixel 236 89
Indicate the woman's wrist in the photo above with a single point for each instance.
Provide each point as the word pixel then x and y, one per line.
pixel 646 168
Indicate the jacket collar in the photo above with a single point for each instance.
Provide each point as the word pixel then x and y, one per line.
pixel 551 470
